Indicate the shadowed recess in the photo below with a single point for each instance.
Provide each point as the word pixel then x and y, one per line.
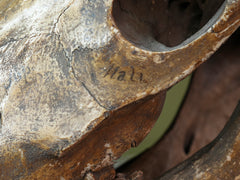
pixel 147 23
pixel 188 142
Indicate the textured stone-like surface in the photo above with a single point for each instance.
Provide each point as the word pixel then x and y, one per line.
pixel 212 96
pixel 65 65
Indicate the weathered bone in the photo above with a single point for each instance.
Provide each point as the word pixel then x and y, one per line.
pixel 218 160
pixel 69 77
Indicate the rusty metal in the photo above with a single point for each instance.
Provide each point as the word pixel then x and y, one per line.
pixel 77 82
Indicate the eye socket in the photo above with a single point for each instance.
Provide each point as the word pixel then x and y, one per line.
pixel 149 24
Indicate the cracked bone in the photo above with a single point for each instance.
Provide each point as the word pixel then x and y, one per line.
pixel 75 74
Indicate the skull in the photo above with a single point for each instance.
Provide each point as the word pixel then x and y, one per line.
pixel 75 74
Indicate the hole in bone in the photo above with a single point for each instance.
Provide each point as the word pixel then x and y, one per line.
pixel 188 142
pixel 134 144
pixel 168 22
pixel 183 6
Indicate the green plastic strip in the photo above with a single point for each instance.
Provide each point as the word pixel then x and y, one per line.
pixel 174 99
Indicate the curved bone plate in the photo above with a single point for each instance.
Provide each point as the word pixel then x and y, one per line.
pixel 67 66
pixel 218 160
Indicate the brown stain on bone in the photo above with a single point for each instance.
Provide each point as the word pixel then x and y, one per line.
pixel 110 92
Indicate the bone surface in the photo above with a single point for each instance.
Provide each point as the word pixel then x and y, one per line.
pixel 66 66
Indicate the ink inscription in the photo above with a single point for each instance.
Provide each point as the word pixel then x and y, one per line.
pixel 120 74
